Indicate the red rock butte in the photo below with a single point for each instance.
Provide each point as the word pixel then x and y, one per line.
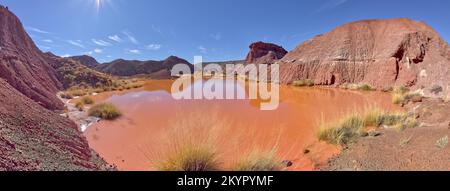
pixel 264 53
pixel 382 53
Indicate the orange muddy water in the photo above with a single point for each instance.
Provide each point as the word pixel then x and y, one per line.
pixel 153 122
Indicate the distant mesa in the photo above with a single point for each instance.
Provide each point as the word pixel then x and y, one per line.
pixel 154 69
pixel 86 60
pixel 127 68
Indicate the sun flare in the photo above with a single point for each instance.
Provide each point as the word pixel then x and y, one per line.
pixel 98 4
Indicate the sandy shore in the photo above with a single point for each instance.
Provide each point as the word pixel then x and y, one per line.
pixel 81 118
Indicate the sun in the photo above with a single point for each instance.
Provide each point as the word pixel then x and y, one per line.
pixel 100 3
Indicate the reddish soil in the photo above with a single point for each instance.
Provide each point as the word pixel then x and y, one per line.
pixel 391 151
pixel 34 138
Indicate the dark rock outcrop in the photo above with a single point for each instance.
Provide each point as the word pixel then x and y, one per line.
pixel 264 53
pixel 86 60
pixel 382 53
pixel 153 69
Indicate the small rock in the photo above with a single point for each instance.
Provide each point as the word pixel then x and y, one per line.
pixel 287 163
pixel 374 133
pixel 417 99
pixel 306 151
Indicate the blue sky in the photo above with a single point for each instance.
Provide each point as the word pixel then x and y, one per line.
pixel 216 29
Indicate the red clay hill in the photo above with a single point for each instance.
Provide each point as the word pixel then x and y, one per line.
pixel 382 53
pixel 32 137
pixel 23 66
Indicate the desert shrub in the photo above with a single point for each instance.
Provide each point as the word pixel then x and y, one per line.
pixel 374 117
pixel 365 87
pixel 191 158
pixel 405 141
pixel 404 97
pixel 105 111
pixel 398 98
pixel 361 86
pixel 259 161
pixel 352 126
pixel 400 90
pixel 87 100
pixel 442 142
pixel 66 96
pixel 392 119
pixel 303 83
pixel 343 132
pixel 414 97
pixel 406 123
pixel 79 105
pixel 194 142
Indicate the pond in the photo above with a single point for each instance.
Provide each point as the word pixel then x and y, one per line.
pixel 153 120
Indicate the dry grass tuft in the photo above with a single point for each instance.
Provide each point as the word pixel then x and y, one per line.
pixel 442 142
pixel 87 100
pixel 353 126
pixel 259 161
pixel 405 141
pixel 105 111
pixel 360 86
pixel 195 142
pixel 191 143
pixel 79 105
pixel 401 95
pixel 192 157
pixel 343 132
pixel 303 83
